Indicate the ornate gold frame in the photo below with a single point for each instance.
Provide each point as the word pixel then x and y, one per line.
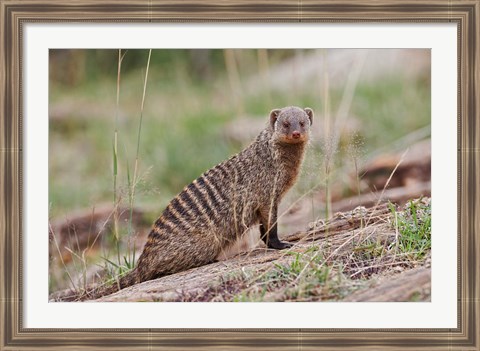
pixel 14 14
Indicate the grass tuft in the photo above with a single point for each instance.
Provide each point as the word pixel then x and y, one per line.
pixel 302 278
pixel 414 226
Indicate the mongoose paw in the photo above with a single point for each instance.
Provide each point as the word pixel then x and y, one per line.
pixel 280 245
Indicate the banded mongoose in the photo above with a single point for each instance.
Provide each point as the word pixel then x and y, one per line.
pixel 217 208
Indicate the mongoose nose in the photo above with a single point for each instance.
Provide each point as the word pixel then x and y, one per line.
pixel 296 135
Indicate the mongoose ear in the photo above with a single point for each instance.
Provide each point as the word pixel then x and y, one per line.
pixel 273 116
pixel 309 113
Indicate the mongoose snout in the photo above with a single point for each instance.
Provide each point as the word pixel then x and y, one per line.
pixel 291 124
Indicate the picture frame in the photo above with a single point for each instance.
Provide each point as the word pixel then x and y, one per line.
pixel 16 14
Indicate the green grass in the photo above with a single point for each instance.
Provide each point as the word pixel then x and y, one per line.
pixel 414 227
pixel 305 277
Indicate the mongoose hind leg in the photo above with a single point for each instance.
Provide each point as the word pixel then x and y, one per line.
pixel 270 236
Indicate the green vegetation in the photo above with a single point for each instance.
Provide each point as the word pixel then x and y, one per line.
pixel 414 227
pixel 304 276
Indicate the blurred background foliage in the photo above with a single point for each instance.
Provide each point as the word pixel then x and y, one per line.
pixel 202 106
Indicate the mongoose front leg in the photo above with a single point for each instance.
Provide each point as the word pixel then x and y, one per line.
pixel 270 236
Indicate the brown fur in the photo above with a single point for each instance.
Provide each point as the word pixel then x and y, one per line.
pixel 217 208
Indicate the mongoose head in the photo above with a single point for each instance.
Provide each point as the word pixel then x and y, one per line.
pixel 291 125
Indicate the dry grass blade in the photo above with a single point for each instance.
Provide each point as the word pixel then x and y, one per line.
pixel 60 255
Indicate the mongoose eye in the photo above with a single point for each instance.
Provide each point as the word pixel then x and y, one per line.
pixel 302 124
pixel 286 124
